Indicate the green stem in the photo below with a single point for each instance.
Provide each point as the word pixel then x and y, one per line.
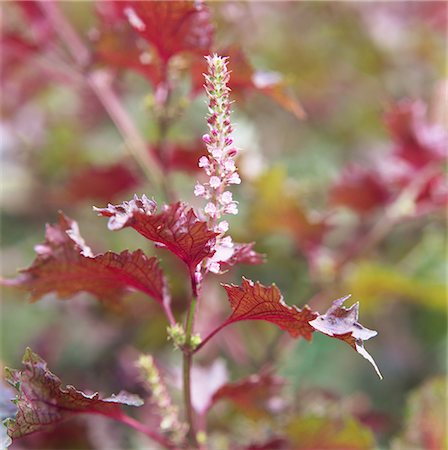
pixel 187 363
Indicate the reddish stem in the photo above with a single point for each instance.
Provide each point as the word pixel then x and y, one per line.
pixel 136 425
pixel 216 330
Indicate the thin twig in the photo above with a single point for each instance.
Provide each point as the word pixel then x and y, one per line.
pixel 100 83
pixel 136 425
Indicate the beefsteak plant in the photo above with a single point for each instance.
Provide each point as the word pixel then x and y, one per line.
pixel 200 239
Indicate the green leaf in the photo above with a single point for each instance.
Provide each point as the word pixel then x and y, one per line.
pixel 317 432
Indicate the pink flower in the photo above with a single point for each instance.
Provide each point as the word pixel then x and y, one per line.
pixel 231 208
pixel 215 182
pixel 219 165
pixel 234 178
pixel 210 209
pixel 226 198
pixel 203 161
pixel 199 190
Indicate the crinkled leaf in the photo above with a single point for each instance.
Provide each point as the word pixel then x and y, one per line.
pixel 101 183
pixel 243 254
pixel 176 227
pixel 66 265
pixel 253 301
pixel 42 402
pixel 172 26
pixel 251 394
pixel 342 323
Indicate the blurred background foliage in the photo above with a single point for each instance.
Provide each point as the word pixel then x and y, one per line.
pixel 348 63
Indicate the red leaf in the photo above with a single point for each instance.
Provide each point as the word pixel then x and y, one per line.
pixel 359 189
pixel 249 392
pixel 42 402
pixel 37 22
pixel 117 45
pixel 66 266
pixel 176 227
pixel 253 301
pixel 243 254
pixel 101 183
pixel 342 323
pixel 417 140
pixel 181 157
pixel 171 26
pixel 278 443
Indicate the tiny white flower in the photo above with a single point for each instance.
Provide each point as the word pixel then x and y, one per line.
pixel 199 190
pixel 231 208
pixel 213 266
pixel 226 198
pixel 210 209
pixel 229 165
pixel 234 179
pixel 215 182
pixel 203 161
pixel 227 241
pixel 217 152
pixel 222 226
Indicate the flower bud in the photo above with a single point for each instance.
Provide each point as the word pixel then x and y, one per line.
pixel 207 139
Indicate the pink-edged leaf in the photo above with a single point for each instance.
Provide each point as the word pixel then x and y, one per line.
pixel 253 301
pixel 250 393
pixel 101 183
pixel 172 26
pixel 243 254
pixel 342 323
pixel 42 402
pixel 66 265
pixel 176 227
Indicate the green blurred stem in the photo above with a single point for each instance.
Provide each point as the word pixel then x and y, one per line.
pixel 100 82
pixel 187 363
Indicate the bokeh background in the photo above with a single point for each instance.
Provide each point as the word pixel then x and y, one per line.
pixel 364 73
